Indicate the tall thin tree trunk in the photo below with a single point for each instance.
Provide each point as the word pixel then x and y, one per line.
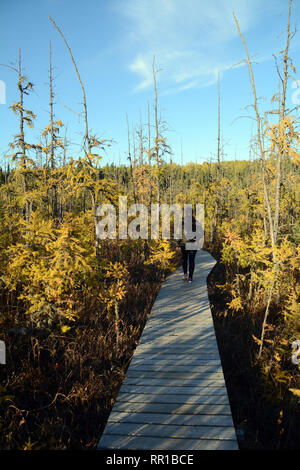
pixel 219 123
pixel 22 141
pixel 52 163
pixel 149 155
pixel 217 209
pixel 156 146
pixel 86 137
pixel 259 137
pixel 130 161
pixel 141 142
pixel 281 151
pixel 52 143
pixel 181 161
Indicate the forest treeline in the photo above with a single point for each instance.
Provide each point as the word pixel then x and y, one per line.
pixel 73 306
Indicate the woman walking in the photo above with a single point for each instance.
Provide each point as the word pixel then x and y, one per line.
pixel 188 256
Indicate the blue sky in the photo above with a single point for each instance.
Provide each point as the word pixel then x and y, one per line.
pixel 113 42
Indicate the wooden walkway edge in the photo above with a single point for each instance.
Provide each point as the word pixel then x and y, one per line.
pixel 174 395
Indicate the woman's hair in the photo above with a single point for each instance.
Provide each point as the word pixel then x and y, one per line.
pixel 194 222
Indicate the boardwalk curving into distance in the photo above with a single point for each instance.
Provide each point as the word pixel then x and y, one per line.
pixel 174 395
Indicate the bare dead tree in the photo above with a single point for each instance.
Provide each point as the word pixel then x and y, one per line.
pixel 156 145
pixel 51 96
pixel 181 166
pixel 282 112
pixel 149 155
pixel 219 122
pixel 259 133
pixel 52 135
pixel 86 137
pixel 217 209
pixel 141 141
pixel 25 117
pixel 130 161
pixel 23 90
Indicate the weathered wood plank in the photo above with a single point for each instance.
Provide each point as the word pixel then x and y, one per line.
pixel 173 377
pixel 169 356
pixel 154 367
pixel 173 360
pixel 181 371
pixel 164 418
pixel 165 379
pixel 169 324
pixel 166 430
pixel 146 443
pixel 147 386
pixel 167 399
pixel 199 352
pixel 173 408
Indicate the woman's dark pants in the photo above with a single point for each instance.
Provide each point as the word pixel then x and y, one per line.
pixel 188 260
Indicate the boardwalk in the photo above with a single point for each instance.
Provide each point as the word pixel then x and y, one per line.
pixel 174 395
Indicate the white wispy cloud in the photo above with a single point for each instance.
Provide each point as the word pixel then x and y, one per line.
pixel 191 39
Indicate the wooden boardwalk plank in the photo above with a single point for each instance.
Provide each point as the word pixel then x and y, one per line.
pixel 167 443
pixel 171 418
pixel 173 360
pixel 174 394
pixel 158 430
pixel 174 376
pixel 170 358
pixel 168 399
pixel 176 408
pixel 181 351
pixel 186 388
pixel 156 367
